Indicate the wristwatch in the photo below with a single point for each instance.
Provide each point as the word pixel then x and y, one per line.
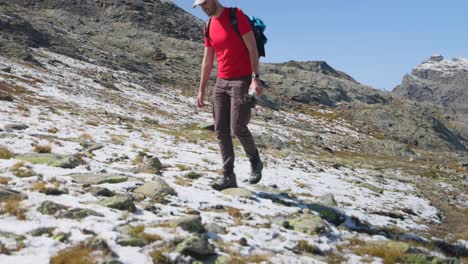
pixel 255 75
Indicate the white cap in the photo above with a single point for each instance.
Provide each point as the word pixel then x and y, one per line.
pixel 198 2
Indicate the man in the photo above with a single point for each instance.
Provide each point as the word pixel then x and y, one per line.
pixel 238 72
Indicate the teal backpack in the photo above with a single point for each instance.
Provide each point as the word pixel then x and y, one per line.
pixel 258 28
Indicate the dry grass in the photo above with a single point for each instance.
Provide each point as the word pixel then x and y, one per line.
pixel 5 153
pixel 183 167
pixel 12 89
pixel 23 108
pixel 92 122
pixel 52 130
pixel 139 232
pixel 86 136
pixel 138 159
pixel 75 255
pixel 387 254
pixel 42 148
pixel 118 139
pixel 234 212
pixel 39 187
pixel 318 114
pixel 159 257
pixel 21 170
pixel 257 258
pixel 4 180
pixel 12 206
pixel 237 258
pixel 304 246
pixel 183 181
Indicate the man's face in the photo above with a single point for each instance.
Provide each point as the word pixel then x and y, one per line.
pixel 209 7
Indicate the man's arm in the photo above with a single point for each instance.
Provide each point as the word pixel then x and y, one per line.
pixel 249 40
pixel 206 68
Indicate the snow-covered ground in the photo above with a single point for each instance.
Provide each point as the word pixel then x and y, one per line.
pixel 66 97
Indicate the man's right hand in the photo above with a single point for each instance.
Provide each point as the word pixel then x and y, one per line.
pixel 201 100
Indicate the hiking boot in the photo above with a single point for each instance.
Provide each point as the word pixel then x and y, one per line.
pixel 228 181
pixel 256 167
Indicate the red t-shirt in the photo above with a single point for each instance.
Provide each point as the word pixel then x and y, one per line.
pixel 231 52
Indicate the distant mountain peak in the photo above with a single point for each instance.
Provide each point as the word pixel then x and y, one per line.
pixel 440 63
pixel 438 80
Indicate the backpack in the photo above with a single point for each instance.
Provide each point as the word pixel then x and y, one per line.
pixel 258 28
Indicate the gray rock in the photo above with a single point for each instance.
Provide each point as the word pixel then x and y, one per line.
pixel 152 166
pixel 51 208
pixel 62 237
pixel 42 231
pixel 243 242
pixel 6 69
pixel 100 191
pixel 215 228
pixel 157 190
pixel 238 192
pixel 309 224
pixel 6 193
pixel 332 215
pixel 191 223
pixel 16 127
pixel 54 160
pixel 90 145
pixel 196 246
pixel 55 191
pixel 12 241
pixel 79 213
pixel 131 242
pixel 6 97
pixel 328 200
pixel 119 202
pixel 97 178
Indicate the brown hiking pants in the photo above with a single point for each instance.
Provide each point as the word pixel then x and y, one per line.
pixel 231 115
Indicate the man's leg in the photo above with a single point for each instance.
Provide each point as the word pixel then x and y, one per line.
pixel 240 117
pixel 221 114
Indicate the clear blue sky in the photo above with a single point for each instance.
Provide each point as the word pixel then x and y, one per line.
pixel 376 42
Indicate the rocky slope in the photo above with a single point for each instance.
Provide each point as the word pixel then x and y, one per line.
pixel 119 174
pixel 440 81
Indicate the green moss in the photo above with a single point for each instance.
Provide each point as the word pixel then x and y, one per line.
pixel 114 180
pixel 183 167
pixel 193 175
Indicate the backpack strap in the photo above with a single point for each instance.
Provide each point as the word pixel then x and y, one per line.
pixel 233 19
pixel 207 28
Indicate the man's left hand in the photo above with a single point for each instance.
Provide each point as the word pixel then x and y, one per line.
pixel 257 86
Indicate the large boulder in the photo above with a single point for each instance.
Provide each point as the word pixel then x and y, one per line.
pixel 97 178
pixel 157 190
pixel 119 202
pixel 309 224
pixel 196 246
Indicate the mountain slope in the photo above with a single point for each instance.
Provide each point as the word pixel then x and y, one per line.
pixel 117 132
